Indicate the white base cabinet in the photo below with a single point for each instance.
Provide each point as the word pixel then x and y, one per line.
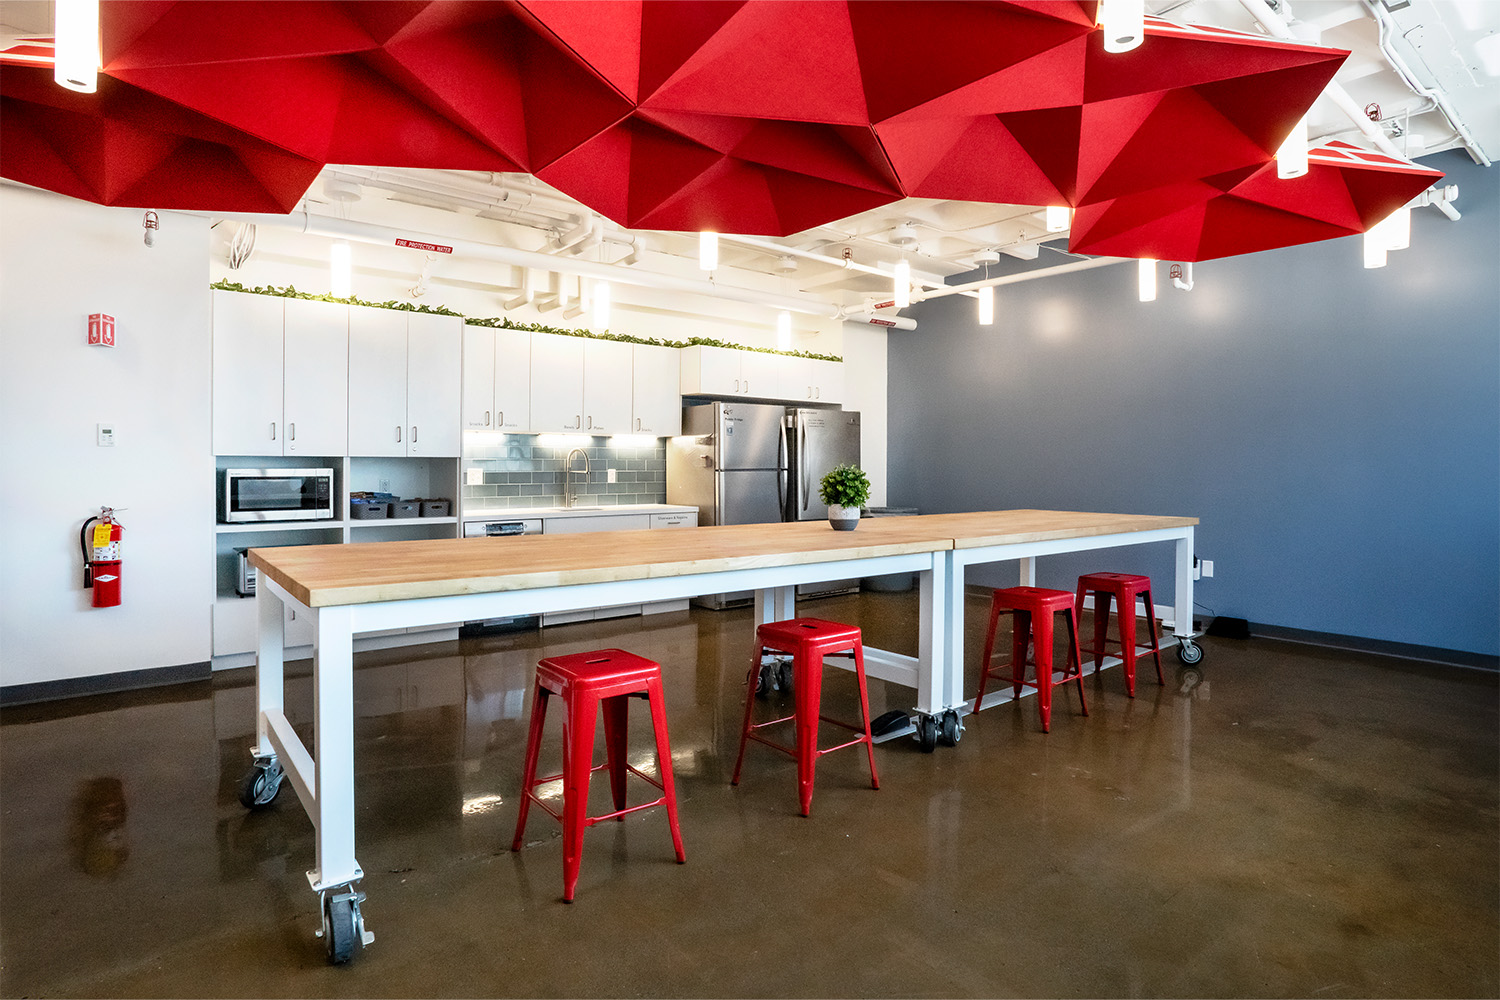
pixel 616 522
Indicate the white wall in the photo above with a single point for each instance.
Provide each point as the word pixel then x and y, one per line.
pixel 865 391
pixel 60 260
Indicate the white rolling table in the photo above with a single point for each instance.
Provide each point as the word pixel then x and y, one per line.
pixel 357 588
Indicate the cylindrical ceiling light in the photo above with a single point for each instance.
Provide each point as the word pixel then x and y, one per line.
pixel 902 281
pixel 340 270
pixel 708 251
pixel 1397 229
pixel 1291 155
pixel 1146 279
pixel 783 331
pixel 1374 249
pixel 987 305
pixel 1057 218
pixel 601 305
pixel 75 28
pixel 1124 24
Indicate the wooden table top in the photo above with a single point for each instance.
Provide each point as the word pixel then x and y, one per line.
pixel 368 572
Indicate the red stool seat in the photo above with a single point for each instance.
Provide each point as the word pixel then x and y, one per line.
pixel 586 682
pixel 808 640
pixel 1123 588
pixel 1033 609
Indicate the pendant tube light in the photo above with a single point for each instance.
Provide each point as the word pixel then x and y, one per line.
pixel 902 280
pixel 1291 155
pixel 1124 24
pixel 601 305
pixel 1146 279
pixel 1374 249
pixel 708 251
pixel 340 270
pixel 75 29
pixel 1057 218
pixel 783 331
pixel 1397 228
pixel 987 305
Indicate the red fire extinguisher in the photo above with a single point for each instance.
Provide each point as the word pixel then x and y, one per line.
pixel 101 557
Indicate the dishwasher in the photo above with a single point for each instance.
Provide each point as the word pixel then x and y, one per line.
pixel 501 529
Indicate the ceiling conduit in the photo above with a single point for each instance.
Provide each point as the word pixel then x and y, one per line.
pixel 363 232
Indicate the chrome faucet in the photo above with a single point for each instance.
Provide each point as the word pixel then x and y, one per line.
pixel 568 470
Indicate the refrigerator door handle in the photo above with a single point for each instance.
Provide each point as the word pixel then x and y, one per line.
pixel 802 462
pixel 783 467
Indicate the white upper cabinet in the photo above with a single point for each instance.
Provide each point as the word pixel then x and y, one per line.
pixel 607 366
pixel 723 371
pixel 280 374
pixel 556 383
pixel 405 371
pixel 496 379
pixel 656 407
pixel 811 380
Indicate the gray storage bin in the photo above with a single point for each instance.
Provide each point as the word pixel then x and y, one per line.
pixel 436 508
pixel 368 511
pixel 406 508
pixel 889 583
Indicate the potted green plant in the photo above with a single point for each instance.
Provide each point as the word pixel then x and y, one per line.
pixel 845 489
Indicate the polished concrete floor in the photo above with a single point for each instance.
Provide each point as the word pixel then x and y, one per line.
pixel 1282 821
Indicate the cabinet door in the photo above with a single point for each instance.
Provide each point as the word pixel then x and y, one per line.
pixel 656 406
pixel 377 382
pixel 479 378
pixel 607 368
pixel 434 371
pixel 710 371
pixel 247 338
pixel 795 378
pixel 513 381
pixel 556 383
pixel 828 380
pixel 760 374
pixel 316 377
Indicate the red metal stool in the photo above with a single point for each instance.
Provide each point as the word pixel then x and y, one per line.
pixel 1124 588
pixel 808 640
pixel 1033 608
pixel 587 681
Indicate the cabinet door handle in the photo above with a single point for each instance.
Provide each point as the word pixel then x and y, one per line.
pixel 486 418
pixel 578 422
pixel 291 431
pixel 413 433
pixel 398 433
pixel 637 423
pixel 736 385
pixel 747 385
pixel 273 430
pixel 591 423
pixel 499 418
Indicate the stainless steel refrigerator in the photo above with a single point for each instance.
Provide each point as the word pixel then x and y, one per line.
pixel 757 463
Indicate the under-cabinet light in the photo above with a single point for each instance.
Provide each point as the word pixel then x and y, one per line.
pixel 340 270
pixel 75 28
pixel 1146 279
pixel 987 305
pixel 708 250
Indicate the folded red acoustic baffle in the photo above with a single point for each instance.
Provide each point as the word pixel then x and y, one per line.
pixel 1189 102
pixel 123 146
pixel 1345 191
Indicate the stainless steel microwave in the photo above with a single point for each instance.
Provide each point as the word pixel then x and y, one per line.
pixel 277 495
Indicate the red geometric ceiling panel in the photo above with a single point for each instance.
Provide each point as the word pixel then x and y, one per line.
pixel 1345 191
pixel 749 116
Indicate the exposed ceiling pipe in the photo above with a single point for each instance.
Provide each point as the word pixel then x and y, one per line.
pixel 1012 279
pixel 364 232
pixel 925 280
pixel 527 293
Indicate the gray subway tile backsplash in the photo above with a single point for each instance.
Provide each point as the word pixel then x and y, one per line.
pixel 518 472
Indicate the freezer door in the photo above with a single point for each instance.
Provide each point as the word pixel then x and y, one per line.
pixel 818 440
pixel 748 497
pixel 749 436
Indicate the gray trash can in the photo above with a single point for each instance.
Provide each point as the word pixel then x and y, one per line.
pixel 890 583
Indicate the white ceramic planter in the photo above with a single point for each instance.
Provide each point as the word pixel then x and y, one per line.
pixel 843 518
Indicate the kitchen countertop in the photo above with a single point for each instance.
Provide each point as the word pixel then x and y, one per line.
pixel 582 510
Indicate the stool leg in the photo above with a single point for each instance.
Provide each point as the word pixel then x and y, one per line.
pixel 664 761
pixel 1125 609
pixel 1077 660
pixel 989 652
pixel 533 748
pixel 1020 623
pixel 1041 629
pixel 1155 637
pixel 749 707
pixel 807 683
pixel 1101 625
pixel 864 707
pixel 578 761
pixel 616 725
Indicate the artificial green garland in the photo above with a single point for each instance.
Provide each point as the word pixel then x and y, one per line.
pixel 503 323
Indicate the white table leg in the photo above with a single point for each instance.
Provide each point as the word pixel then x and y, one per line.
pixel 270 677
pixel 1182 612
pixel 333 708
pixel 775 604
pixel 940 642
pixel 1027 572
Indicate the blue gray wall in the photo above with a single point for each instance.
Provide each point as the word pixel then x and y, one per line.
pixel 1336 429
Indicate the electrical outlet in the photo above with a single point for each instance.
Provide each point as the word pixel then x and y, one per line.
pixel 385 486
pixel 1208 567
pixel 474 476
pixel 609 476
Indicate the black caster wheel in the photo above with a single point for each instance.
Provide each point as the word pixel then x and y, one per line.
pixel 784 676
pixel 260 786
pixel 763 681
pixel 927 733
pixel 1189 652
pixel 343 927
pixel 950 729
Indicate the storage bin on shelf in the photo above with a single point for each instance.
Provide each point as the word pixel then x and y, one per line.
pixel 406 508
pixel 436 507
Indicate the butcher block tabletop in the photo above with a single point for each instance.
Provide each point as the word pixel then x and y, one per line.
pixel 368 572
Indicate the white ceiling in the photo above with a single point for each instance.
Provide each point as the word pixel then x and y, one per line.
pixel 1431 66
